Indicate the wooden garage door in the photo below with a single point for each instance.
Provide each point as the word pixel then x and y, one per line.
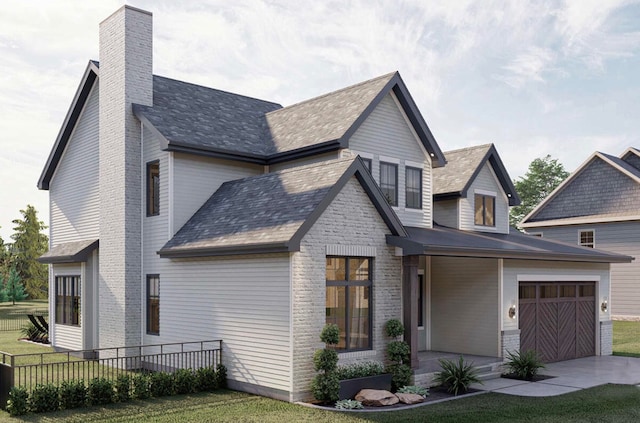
pixel 558 319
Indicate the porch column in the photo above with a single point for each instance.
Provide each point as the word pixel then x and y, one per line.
pixel 410 305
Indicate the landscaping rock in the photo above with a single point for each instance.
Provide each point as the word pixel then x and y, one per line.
pixel 410 398
pixel 376 398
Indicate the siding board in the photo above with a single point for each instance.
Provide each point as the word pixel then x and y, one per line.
pixel 485 181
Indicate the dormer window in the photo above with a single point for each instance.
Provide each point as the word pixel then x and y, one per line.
pixel 587 239
pixel 484 206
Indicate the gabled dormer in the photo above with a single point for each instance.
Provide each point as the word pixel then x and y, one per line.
pixel 473 191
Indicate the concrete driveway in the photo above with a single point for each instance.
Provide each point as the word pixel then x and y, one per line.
pixel 570 376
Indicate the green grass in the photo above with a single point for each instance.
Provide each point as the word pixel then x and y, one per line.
pixel 7 309
pixel 626 338
pixel 609 403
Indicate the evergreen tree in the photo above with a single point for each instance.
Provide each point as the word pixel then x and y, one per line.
pixel 542 177
pixel 3 289
pixel 13 287
pixel 29 244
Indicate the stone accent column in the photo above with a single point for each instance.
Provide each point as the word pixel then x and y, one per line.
pixel 510 340
pixel 410 305
pixel 606 337
pixel 125 78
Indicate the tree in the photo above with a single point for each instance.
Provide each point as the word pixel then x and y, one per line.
pixel 542 177
pixel 29 244
pixel 12 287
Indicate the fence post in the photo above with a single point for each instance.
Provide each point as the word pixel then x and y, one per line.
pixel 6 380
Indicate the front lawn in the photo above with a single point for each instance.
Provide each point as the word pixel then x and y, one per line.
pixel 609 403
pixel 626 338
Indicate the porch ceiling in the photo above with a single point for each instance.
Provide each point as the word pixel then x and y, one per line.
pixel 443 241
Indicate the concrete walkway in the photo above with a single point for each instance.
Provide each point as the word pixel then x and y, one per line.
pixel 570 376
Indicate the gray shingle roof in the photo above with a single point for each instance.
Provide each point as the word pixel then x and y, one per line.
pixel 269 212
pixel 69 252
pixel 463 165
pixel 196 116
pixel 322 119
pixel 442 241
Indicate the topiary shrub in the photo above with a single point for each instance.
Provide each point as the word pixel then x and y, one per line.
pixel 44 398
pixel 206 379
pixel 325 386
pixel 141 386
pixel 73 394
pixel 456 377
pixel 100 391
pixel 221 377
pixel 123 388
pixel 398 353
pixel 361 369
pixel 18 403
pixel 524 365
pixel 184 382
pixel 161 384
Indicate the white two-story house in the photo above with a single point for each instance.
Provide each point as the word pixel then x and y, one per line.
pixel 181 212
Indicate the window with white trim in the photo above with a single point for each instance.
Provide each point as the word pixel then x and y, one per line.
pixel 587 239
pixel 389 182
pixel 68 300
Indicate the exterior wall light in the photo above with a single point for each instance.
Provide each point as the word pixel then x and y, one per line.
pixel 604 306
pixel 512 311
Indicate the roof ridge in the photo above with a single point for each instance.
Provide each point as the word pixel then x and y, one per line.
pixel 387 75
pixel 473 147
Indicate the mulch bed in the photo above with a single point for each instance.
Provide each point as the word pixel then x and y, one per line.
pixel 536 378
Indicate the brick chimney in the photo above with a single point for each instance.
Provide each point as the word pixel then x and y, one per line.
pixel 126 77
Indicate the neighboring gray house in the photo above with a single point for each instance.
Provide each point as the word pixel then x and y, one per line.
pixel 182 213
pixel 598 206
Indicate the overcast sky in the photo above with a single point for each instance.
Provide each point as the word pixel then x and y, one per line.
pixel 534 78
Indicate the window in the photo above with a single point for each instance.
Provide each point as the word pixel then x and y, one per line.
pixel 68 300
pixel 484 210
pixel 413 188
pixel 587 239
pixel 367 163
pixel 389 182
pixel 153 304
pixel 348 303
pixel 153 188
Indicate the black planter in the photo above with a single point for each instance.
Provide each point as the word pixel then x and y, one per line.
pixel 350 387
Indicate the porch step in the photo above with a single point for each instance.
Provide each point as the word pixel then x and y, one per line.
pixel 489 375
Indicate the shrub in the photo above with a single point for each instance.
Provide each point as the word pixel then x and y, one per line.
pixel 458 376
pixel 18 403
pixel 161 384
pixel 326 387
pixel 141 389
pixel 400 375
pixel 524 365
pixel 348 404
pixel 100 391
pixel 362 369
pixel 325 360
pixel 394 328
pixel 221 376
pixel 398 352
pixel 44 398
pixel 184 381
pixel 73 394
pixel 207 379
pixel 123 388
pixel 412 389
pixel 330 334
pixel 32 333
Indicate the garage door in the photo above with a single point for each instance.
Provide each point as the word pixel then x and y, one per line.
pixel 558 319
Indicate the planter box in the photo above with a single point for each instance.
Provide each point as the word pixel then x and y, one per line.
pixel 350 387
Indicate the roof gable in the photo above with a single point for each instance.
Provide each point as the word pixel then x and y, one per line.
pixel 602 186
pixel 271 212
pixel 632 157
pixel 463 166
pixel 70 120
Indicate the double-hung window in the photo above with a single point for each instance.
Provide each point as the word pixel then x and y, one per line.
pixel 485 206
pixel 153 304
pixel 389 182
pixel 68 300
pixel 153 188
pixel 413 188
pixel 348 300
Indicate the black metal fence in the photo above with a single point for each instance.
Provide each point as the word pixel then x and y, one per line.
pixel 29 370
pixel 16 320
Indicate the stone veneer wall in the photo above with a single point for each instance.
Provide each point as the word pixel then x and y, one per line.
pixel 125 78
pixel 606 338
pixel 510 340
pixel 351 226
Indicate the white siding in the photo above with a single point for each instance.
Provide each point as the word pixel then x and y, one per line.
pixel 386 134
pixel 68 337
pixel 73 192
pixel 196 178
pixel 244 301
pixel 485 181
pixel 445 213
pixel 301 162
pixel 464 305
pixel 617 237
